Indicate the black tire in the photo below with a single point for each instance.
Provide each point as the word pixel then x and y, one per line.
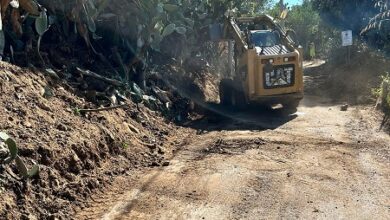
pixel 291 106
pixel 239 98
pixel 226 92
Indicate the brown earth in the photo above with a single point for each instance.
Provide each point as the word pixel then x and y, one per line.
pixel 77 154
pixel 321 163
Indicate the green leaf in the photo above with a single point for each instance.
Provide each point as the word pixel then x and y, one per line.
pixel 96 37
pixel 157 38
pixel 137 90
pixel 21 167
pixel 13 149
pixel 171 7
pixel 159 26
pixel 140 42
pixel 91 9
pixel 102 6
pixel 181 30
pixel 168 30
pixel 90 12
pixel 190 22
pixel 34 171
pixel 12 146
pixel 202 16
pixel 91 24
pixel 160 8
pixel 24 172
pixel 48 92
pixel 41 23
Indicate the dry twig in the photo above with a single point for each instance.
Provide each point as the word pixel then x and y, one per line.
pixel 103 109
pixel 102 78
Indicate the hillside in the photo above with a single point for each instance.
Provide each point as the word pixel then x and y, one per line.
pixel 77 153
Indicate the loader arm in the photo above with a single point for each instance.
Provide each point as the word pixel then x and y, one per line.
pixel 233 31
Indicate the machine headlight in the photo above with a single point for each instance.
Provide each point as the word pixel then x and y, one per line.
pixel 289 59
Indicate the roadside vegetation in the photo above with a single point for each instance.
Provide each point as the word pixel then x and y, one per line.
pixel 320 23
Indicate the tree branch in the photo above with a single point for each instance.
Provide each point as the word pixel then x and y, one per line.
pixel 102 78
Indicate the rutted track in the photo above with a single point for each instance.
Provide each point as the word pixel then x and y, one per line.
pixel 322 163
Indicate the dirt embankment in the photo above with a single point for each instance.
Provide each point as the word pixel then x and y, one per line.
pixel 77 154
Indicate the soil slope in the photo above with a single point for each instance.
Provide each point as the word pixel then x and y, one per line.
pixel 77 154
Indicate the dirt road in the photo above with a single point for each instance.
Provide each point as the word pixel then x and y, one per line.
pixel 321 163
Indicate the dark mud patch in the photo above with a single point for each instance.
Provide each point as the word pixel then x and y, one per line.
pixel 234 146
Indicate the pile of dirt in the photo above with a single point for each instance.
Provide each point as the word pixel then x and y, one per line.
pixel 194 82
pixel 77 153
pixel 233 146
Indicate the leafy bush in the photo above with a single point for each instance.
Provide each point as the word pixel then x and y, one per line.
pixel 385 91
pixel 137 25
pixel 306 21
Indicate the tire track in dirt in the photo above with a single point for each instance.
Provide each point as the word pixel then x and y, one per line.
pixel 311 167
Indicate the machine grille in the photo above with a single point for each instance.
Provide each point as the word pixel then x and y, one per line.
pixel 275 50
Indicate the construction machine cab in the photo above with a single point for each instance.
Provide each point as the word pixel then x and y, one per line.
pixel 263 38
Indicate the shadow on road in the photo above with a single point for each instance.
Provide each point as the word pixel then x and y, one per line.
pixel 217 117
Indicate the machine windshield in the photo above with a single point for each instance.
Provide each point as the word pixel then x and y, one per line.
pixel 264 38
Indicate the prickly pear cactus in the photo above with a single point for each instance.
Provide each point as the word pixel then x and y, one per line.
pixel 3 151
